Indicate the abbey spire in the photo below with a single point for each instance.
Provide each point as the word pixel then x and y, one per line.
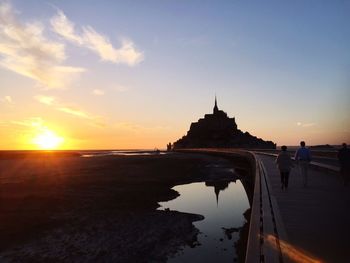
pixel 216 109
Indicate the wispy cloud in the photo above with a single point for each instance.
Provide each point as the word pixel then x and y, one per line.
pixel 45 99
pixel 7 99
pixel 77 112
pixel 98 92
pixel 4 124
pixel 96 42
pixel 26 51
pixel 71 110
pixel 74 111
pixel 305 125
pixel 311 124
pixel 65 28
pixel 30 122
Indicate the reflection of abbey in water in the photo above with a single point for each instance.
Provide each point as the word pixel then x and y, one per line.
pixel 218 186
pixel 218 130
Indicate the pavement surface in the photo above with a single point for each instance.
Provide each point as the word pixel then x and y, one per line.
pixel 317 217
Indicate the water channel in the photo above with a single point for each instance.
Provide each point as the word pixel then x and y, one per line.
pixel 222 204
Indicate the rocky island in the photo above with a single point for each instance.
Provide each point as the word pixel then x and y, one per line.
pixel 217 130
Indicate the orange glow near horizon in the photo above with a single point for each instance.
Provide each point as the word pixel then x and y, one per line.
pixel 48 140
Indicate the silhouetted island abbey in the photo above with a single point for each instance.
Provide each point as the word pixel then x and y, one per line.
pixel 218 130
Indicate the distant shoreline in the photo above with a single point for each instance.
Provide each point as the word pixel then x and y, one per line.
pixel 318 150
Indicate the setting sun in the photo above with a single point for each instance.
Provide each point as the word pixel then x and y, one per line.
pixel 48 140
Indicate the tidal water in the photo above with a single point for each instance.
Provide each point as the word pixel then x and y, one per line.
pixel 222 204
pixel 89 154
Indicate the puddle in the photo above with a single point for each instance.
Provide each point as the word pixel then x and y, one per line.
pixel 222 203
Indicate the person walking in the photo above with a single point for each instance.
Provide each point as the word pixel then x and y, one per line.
pixel 303 157
pixel 285 164
pixel 344 161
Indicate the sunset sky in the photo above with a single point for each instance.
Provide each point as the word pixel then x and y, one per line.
pixel 135 74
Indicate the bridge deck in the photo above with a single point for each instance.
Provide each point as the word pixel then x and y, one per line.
pixel 316 218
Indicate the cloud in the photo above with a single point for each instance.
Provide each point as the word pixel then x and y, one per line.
pixel 4 124
pixel 65 28
pixel 25 50
pixel 45 99
pixel 99 44
pixel 7 99
pixel 98 92
pixel 306 125
pixel 30 122
pixel 71 110
pixel 74 111
pixel 309 124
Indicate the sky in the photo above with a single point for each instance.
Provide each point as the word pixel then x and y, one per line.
pixel 135 74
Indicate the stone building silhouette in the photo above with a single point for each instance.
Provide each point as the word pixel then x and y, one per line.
pixel 218 130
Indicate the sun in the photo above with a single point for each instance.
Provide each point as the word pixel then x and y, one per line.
pixel 48 140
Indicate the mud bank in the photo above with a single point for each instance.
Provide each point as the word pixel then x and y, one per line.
pixel 64 208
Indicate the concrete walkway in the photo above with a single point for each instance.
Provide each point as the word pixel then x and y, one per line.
pixel 316 218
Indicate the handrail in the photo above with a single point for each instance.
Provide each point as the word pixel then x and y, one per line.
pixel 316 165
pixel 254 251
pixel 266 226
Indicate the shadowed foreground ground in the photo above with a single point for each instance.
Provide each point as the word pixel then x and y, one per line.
pixel 67 208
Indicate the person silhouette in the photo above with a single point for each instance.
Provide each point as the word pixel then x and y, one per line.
pixel 303 158
pixel 285 164
pixel 344 161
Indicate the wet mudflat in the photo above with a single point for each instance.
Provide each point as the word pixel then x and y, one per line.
pixel 70 209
